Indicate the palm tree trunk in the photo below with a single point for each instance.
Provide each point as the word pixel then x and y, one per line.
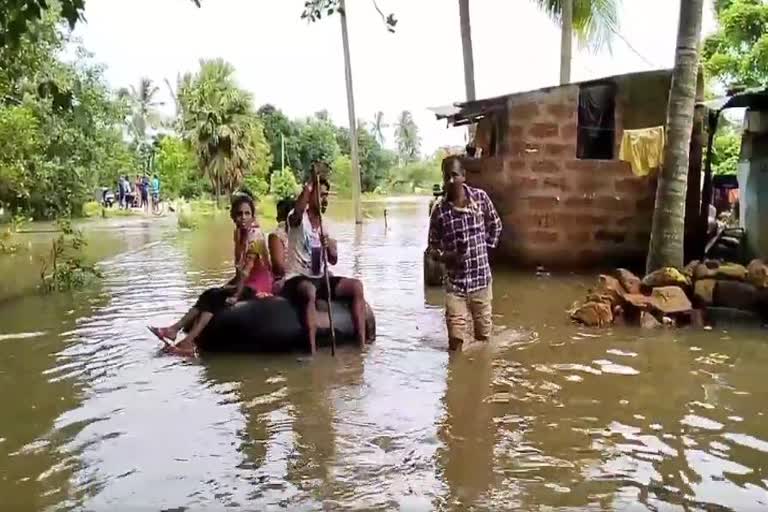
pixel 566 38
pixel 217 190
pixel 466 46
pixel 668 229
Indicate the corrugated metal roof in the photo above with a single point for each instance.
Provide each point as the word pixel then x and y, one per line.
pixel 467 112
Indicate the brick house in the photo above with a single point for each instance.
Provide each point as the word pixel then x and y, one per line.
pixel 552 169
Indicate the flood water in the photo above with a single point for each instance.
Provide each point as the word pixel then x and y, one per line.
pixel 550 417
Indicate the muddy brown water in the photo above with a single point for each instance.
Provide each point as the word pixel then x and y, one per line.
pixel 551 417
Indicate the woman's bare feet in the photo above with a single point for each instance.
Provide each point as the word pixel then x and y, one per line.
pixel 164 333
pixel 185 348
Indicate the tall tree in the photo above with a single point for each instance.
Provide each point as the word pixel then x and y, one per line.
pixel 375 161
pixel 219 122
pixel 378 127
pixel 317 141
pixel 593 22
pixel 144 108
pixel 60 125
pixel 668 228
pixel 407 138
pixel 737 53
pixel 283 137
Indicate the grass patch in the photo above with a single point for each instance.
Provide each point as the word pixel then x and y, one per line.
pixel 93 209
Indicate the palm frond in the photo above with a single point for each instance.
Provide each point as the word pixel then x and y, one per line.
pixel 594 21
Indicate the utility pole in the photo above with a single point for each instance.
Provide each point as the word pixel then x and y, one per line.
pixel 566 38
pixel 282 151
pixel 352 119
pixel 466 46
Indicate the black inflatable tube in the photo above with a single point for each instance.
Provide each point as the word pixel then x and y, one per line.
pixel 274 325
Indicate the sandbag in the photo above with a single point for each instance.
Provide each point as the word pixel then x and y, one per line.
pixel 733 318
pixel 736 295
pixel 273 324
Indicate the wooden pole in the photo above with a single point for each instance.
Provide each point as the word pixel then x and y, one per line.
pixel 354 154
pixel 326 277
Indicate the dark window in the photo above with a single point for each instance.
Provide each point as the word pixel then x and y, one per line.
pixel 487 136
pixel 596 133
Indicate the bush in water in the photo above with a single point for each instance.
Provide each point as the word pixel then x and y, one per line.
pixel 65 268
pixel 283 184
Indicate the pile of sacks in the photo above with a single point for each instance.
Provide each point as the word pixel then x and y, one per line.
pixel 674 297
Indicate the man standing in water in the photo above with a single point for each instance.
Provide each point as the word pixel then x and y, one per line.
pixel 304 280
pixel 462 227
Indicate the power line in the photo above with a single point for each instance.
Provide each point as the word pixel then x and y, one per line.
pixel 629 45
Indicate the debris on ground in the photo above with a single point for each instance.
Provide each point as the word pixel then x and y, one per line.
pixel 670 297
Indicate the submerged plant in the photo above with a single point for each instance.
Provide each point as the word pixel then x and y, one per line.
pixel 65 268
pixel 7 245
pixel 186 218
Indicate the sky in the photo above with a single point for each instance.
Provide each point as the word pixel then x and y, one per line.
pixel 299 67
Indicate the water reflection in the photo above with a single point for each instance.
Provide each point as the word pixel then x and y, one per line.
pixel 467 431
pixel 550 417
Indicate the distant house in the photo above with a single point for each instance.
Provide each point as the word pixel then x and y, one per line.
pixel 549 160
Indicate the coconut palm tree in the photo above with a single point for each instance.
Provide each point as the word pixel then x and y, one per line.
pixel 592 21
pixel 378 127
pixel 219 122
pixel 144 113
pixel 407 138
pixel 668 228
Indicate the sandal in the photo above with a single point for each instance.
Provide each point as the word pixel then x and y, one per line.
pixel 160 332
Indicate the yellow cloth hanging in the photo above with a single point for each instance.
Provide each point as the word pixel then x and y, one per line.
pixel 643 149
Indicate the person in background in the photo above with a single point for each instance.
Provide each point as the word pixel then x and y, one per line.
pixel 278 243
pixel 137 192
pixel 145 193
pixel 462 227
pixel 155 192
pixel 128 192
pixel 305 277
pixel 254 280
pixel 120 192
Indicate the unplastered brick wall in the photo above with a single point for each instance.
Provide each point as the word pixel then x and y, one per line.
pixel 557 210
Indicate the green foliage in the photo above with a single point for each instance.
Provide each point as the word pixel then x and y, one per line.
pixel 726 148
pixel 7 243
pixel 283 184
pixel 65 269
pixel 416 176
pixel 278 129
pixel 737 53
pixel 93 209
pixel 176 167
pixel 594 21
pixel 314 10
pixel 317 142
pixel 186 219
pixel 18 18
pixel 58 125
pixel 261 157
pixel 218 121
pixel 407 138
pixel 378 127
pixel 375 161
pixel 256 185
pixel 143 109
